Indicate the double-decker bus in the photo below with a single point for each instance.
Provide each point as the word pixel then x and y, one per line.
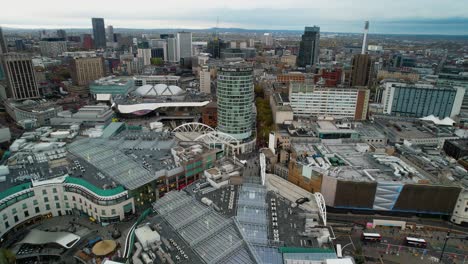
pixel 415 242
pixel 373 237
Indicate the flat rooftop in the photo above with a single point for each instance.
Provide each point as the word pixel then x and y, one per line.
pixel 417 129
pixel 361 165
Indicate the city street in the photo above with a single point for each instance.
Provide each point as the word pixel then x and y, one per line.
pixel 392 248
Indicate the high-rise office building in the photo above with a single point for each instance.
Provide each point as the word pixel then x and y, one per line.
pixel 421 100
pixel 184 45
pixel 309 47
pixel 110 34
pixel 362 70
pixel 86 69
pixel 21 77
pixel 99 33
pixel 87 41
pixel 235 99
pixel 159 44
pixel 172 55
pixel 3 44
pixel 145 55
pixel 52 48
pixel 205 79
pixel 309 100
pixel 267 39
pixel 19 45
pixel 215 46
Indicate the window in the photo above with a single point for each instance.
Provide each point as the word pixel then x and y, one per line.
pixel 13 211
pixel 7 225
pixel 5 216
pixel 54 190
pixel 95 209
pixel 37 210
pixel 73 198
pixel 113 212
pixel 65 198
pixel 57 205
pixel 67 205
pixel 26 213
pixel 35 202
pixel 47 207
pixel 16 219
pixel 44 191
pixel 46 199
pixel 25 206
pixel 103 212
pixel 56 198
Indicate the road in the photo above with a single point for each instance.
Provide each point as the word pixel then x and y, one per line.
pixel 392 248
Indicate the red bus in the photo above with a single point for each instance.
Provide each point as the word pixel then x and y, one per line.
pixel 415 242
pixel 372 237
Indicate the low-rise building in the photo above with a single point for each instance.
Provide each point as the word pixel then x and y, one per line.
pixel 111 85
pixel 280 108
pixel 89 115
pixel 38 112
pixel 413 131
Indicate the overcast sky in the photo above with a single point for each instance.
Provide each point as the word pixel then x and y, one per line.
pixel 389 16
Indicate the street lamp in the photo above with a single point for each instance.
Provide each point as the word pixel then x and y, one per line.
pixel 447 237
pixel 445 244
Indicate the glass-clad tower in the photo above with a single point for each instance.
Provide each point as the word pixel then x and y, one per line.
pixel 235 99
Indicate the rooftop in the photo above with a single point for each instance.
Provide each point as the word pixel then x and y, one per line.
pixel 113 80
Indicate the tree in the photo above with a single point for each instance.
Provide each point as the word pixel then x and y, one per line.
pixel 6 256
pixel 157 61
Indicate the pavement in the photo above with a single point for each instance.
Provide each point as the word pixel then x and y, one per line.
pixel 85 229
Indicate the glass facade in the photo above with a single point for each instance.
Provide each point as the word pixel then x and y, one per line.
pixel 418 102
pixel 309 47
pixel 235 100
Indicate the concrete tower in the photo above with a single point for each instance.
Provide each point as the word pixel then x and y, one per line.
pixel 364 41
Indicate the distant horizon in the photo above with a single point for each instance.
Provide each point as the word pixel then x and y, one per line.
pixel 232 29
pixel 422 17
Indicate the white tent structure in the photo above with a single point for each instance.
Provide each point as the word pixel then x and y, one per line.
pixel 39 237
pixel 441 122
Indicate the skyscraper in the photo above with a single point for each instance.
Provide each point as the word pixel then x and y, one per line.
pixel 184 45
pixel 99 33
pixel 235 98
pixel 145 55
pixel 172 50
pixel 215 46
pixel 309 47
pixel 205 80
pixel 361 71
pixel 3 45
pixel 21 76
pixel 110 34
pixel 267 39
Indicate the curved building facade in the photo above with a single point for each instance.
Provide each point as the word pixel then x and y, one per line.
pixel 235 100
pixel 29 202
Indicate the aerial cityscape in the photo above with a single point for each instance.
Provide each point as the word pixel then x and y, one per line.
pixel 234 135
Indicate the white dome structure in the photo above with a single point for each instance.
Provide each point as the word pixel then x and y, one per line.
pixel 159 90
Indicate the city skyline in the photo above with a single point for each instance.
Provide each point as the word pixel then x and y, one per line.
pixel 398 17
